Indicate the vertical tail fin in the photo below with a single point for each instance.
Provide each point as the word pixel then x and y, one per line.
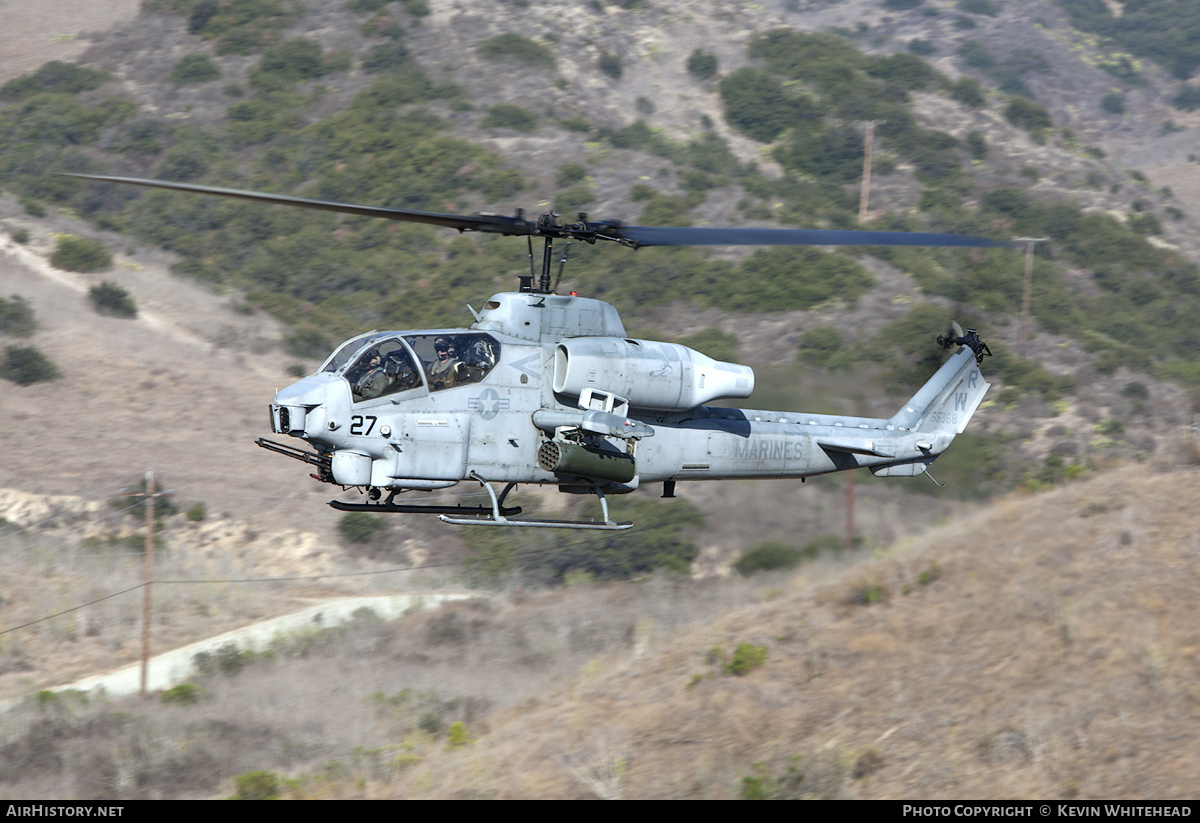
pixel 946 403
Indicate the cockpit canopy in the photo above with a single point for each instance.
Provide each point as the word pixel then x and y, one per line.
pixel 383 364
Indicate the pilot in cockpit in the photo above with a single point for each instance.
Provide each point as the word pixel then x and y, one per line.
pixel 380 372
pixel 367 377
pixel 444 372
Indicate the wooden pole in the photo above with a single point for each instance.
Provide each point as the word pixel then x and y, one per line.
pixel 147 579
pixel 849 511
pixel 150 496
pixel 1027 291
pixel 864 196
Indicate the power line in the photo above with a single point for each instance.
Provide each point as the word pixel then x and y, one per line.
pixel 395 570
pixel 72 609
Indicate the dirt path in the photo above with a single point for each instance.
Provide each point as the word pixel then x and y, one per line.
pixel 183 389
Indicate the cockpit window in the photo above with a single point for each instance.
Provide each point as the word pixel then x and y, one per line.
pixel 347 350
pixel 450 360
pixel 383 369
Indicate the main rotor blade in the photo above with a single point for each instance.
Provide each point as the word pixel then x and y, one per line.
pixel 479 222
pixel 693 236
pixel 551 225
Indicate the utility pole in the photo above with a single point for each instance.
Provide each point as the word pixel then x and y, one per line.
pixel 1027 293
pixel 849 511
pixel 868 144
pixel 864 198
pixel 147 574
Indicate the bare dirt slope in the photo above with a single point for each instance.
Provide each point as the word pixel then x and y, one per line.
pixel 35 33
pixel 183 389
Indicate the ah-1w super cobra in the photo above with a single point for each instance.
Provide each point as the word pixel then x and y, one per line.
pixel 546 388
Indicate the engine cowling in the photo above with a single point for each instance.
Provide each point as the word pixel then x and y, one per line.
pixel 651 375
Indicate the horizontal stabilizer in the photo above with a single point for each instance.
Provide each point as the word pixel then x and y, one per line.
pixel 845 448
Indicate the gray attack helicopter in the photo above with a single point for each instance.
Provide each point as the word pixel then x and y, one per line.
pixel 546 388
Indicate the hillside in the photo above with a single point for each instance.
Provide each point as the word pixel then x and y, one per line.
pixel 1047 654
pixel 356 101
pixel 1043 648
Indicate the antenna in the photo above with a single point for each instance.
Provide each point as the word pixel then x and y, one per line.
pixel 562 264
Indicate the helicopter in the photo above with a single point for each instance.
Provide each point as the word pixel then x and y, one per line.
pixel 546 388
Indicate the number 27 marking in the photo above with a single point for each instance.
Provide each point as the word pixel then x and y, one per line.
pixel 357 422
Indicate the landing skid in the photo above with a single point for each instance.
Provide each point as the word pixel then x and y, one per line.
pixel 496 515
pixel 418 508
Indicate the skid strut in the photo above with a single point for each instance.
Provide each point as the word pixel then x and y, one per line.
pixel 498 517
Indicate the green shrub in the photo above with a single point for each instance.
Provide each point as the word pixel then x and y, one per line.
pixel 984 7
pixel 757 105
pixel 417 8
pixel 80 254
pixel 260 785
pixel 770 556
pixel 717 344
pixel 969 92
pixel 977 145
pixel 456 735
pixel 514 47
pixel 1188 98
pixel 1025 114
pixel 510 116
pixel 907 71
pixel 610 64
pixel 384 57
pixel 570 174
pixel 20 235
pixel 1113 103
pixel 112 300
pixel 16 317
pixel 921 48
pixel 866 593
pixel 25 365
pixel 183 163
pixel 702 64
pixel 746 658
pixel 361 527
pixel 197 513
pixel 430 723
pixel 823 347
pixel 55 77
pixel 227 659
pixel 185 694
pixel 292 61
pixel 658 542
pixel 310 342
pixel 575 199
pixel 759 787
pixel 930 575
pixel 239 26
pixel 194 68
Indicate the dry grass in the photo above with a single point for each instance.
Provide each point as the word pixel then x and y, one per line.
pixel 1055 656
pixel 1027 651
